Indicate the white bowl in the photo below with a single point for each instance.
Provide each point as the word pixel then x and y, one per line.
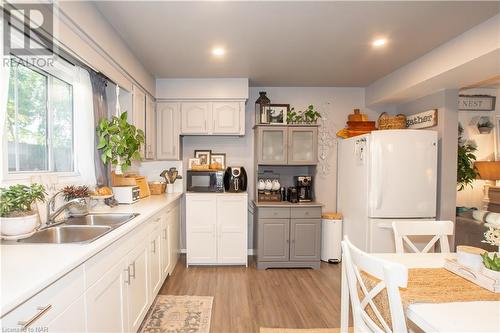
pixel 15 226
pixel 470 256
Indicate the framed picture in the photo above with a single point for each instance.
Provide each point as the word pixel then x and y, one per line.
pixel 203 156
pixel 218 161
pixel 193 162
pixel 276 113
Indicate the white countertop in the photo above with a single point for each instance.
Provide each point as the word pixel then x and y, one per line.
pixel 28 268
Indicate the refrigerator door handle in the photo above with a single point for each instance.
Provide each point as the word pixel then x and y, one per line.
pixel 377 158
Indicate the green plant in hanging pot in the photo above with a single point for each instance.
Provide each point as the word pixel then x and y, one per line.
pixel 119 142
pixel 18 216
pixel 466 171
pixel 311 116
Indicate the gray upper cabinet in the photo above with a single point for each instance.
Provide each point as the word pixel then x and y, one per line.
pixel 271 143
pixel 305 239
pixel 273 239
pixel 286 145
pixel 302 145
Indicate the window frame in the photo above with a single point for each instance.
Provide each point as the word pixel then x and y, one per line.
pixel 69 176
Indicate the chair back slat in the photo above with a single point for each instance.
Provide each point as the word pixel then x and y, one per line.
pixel 439 229
pixel 392 276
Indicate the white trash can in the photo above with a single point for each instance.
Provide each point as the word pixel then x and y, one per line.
pixel 331 236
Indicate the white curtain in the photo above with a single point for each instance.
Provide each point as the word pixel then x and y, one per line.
pixel 84 126
pixel 4 88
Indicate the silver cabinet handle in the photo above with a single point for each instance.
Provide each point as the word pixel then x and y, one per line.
pixel 165 233
pixel 41 311
pixel 206 128
pixel 132 275
pixel 127 279
pixel 154 245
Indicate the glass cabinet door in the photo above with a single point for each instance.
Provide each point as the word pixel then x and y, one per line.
pixel 272 142
pixel 303 143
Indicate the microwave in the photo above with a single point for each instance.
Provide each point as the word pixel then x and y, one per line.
pixel 126 194
pixel 205 181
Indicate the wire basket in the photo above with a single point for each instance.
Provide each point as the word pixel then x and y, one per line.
pixel 386 121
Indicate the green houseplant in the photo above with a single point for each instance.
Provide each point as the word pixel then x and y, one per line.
pixel 18 216
pixel 119 142
pixel 311 115
pixel 466 171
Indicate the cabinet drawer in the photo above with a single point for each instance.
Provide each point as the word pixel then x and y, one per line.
pixel 274 213
pixel 48 304
pixel 306 213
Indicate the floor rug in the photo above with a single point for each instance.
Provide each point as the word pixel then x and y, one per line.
pixel 179 314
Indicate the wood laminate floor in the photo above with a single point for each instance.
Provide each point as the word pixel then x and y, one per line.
pixel 246 299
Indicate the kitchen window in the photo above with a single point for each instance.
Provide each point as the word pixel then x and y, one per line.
pixel 39 122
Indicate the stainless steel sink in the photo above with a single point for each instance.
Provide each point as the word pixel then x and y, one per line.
pixel 84 229
pixel 67 234
pixel 101 219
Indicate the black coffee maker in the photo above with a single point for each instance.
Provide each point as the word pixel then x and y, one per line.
pixel 304 188
pixel 235 179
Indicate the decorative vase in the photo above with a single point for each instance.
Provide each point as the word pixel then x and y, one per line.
pixel 79 210
pixel 492 274
pixel 18 226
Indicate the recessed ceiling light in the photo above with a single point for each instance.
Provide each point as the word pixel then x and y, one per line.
pixel 379 42
pixel 218 51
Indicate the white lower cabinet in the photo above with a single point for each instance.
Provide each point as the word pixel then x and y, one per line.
pixel 155 263
pixel 112 291
pixel 217 228
pixel 107 301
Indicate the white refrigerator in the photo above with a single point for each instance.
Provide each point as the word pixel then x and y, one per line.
pixel 385 176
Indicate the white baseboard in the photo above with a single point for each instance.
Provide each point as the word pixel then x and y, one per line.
pixel 250 252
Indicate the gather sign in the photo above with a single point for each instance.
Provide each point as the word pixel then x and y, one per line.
pixel 422 120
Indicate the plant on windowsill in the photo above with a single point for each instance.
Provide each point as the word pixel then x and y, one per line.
pixel 484 125
pixel 466 171
pixel 119 142
pixel 74 192
pixel 18 216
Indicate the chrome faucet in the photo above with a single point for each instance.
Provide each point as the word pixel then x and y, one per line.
pixel 51 217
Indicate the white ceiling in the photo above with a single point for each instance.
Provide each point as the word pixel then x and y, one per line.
pixel 288 43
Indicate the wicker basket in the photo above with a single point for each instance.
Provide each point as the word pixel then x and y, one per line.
pixel 157 188
pixel 386 121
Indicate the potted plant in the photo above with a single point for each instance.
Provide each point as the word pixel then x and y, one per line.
pixel 292 116
pixel 491 264
pixel 311 116
pixel 18 216
pixel 484 125
pixel 73 192
pixel 466 171
pixel 119 142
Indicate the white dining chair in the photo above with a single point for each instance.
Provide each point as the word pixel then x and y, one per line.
pixel 439 229
pixel 392 276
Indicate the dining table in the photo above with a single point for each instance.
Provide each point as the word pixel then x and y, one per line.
pixel 449 317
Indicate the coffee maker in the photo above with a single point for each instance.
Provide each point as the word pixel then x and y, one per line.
pixel 304 188
pixel 235 179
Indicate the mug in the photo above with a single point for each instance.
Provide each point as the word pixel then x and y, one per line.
pixel 269 184
pixel 262 185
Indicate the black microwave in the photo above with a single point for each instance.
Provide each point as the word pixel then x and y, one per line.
pixel 205 181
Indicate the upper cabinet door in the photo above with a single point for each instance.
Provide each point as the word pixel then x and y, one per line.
pixel 167 131
pixel 195 118
pixel 228 118
pixel 303 145
pixel 139 111
pixel 271 143
pixel 150 129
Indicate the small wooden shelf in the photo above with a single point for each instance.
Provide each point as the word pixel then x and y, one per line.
pixel 285 125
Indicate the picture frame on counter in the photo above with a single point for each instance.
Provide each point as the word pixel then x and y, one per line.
pixel 476 102
pixel 277 113
pixel 193 162
pixel 203 156
pixel 218 159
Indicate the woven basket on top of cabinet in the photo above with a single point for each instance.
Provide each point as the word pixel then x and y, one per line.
pixel 386 121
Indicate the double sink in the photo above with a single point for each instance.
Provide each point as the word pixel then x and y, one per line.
pixel 83 229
